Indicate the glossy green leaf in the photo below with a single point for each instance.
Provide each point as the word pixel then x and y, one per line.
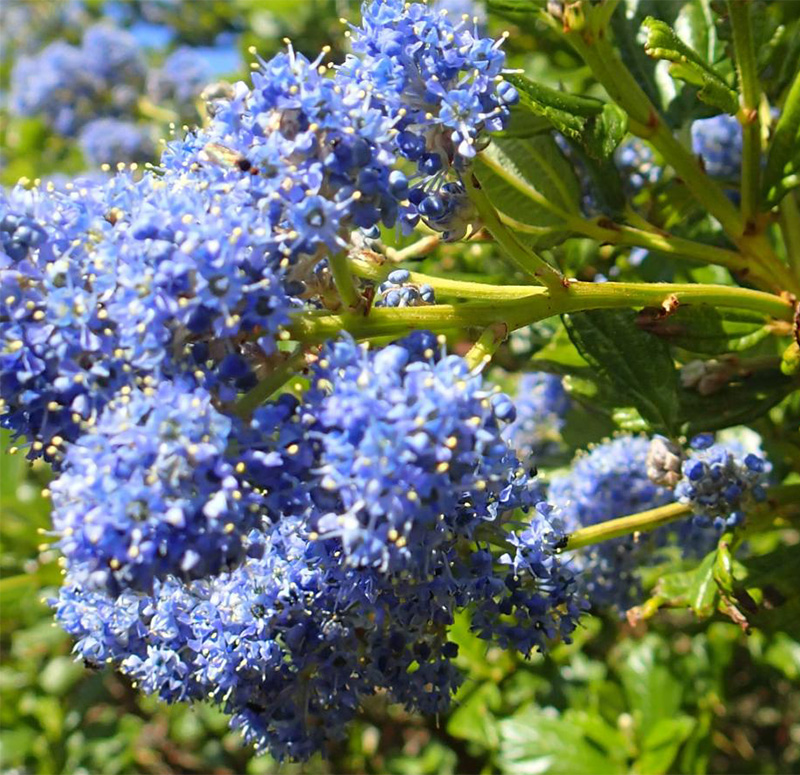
pixel 533 742
pixel 531 185
pixel 653 689
pixel 688 66
pixel 744 399
pixel 701 328
pixel 702 588
pixel 597 126
pixel 637 364
pixel 662 743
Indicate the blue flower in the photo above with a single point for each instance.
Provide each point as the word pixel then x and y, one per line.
pixel 720 480
pixel 610 481
pixel 542 405
pixel 438 79
pixel 718 141
pixel 151 490
pixel 110 141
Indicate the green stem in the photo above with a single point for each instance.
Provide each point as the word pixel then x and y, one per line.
pixel 790 228
pixel 149 109
pixel 344 280
pixel 482 351
pixel 420 248
pixel 646 521
pixel 463 289
pixel 783 140
pixel 614 528
pixel 747 68
pixel 645 121
pixel 538 304
pixel 677 247
pixel 524 258
pixel 277 378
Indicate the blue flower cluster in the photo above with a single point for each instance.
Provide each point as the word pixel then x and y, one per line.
pixel 378 496
pixel 152 489
pixel 718 142
pixel 542 404
pixel 411 449
pixel 192 268
pixel 95 91
pixel 70 85
pixel 441 85
pixel 637 165
pixel 607 482
pixel 110 284
pixel 397 291
pixel 720 480
pixel 441 80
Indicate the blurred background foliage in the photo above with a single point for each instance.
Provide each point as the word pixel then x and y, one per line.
pixel 664 694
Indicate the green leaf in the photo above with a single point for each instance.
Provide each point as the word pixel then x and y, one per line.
pixel 688 66
pixel 702 590
pixel 531 185
pixel 474 718
pixel 773 579
pixel 701 328
pixel 744 399
pixel 524 123
pixel 532 742
pixel 694 588
pixel 653 690
pixel 598 126
pixel 783 157
pixel 637 364
pixel 662 743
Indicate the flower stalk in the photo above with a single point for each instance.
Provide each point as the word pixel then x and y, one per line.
pixel 750 87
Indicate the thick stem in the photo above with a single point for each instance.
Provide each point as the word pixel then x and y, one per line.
pixel 462 289
pixel 344 280
pixel 749 84
pixel 524 258
pixel 540 303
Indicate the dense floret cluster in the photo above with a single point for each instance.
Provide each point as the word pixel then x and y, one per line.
pixel 115 283
pixel 718 142
pixel 376 494
pixel 542 404
pixel 637 165
pixel 720 480
pixel 610 481
pixel 151 490
pixel 249 511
